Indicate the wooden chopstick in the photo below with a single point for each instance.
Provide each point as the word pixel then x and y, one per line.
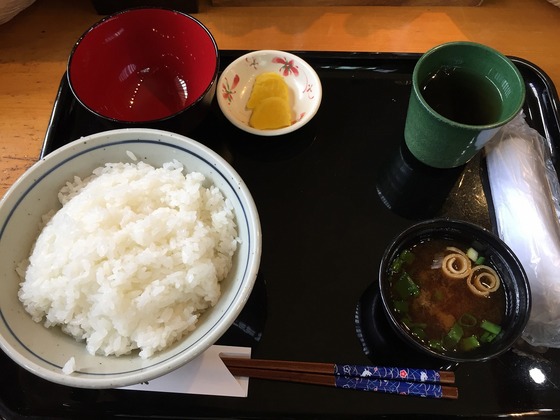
pixel 420 389
pixel 358 371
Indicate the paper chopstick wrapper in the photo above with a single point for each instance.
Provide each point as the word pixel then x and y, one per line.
pixel 204 375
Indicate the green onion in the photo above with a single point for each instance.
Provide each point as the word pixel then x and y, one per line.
pixel 406 287
pixel 453 336
pixel 490 327
pixel 405 257
pixel 472 254
pixel 400 306
pixel 469 343
pixel 479 261
pixel 419 332
pixel 396 265
pixel 467 320
pixel 436 345
pixel 410 325
pixel 487 337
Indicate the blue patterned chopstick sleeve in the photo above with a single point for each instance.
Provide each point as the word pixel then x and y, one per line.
pixel 392 387
pixel 401 374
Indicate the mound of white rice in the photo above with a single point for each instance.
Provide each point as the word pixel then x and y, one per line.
pixel 132 258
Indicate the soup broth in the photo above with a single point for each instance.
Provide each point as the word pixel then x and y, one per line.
pixel 441 311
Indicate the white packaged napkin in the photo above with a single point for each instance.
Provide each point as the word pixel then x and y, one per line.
pixel 524 189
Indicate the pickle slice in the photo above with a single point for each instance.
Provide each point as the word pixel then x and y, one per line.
pixel 267 85
pixel 271 113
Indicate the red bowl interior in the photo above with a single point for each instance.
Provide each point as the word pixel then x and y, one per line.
pixel 143 65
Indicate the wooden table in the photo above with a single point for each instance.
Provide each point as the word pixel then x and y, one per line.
pixel 34 47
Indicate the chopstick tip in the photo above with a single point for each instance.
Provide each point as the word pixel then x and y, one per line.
pixel 450 392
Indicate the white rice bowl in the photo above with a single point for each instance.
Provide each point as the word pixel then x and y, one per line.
pixel 58 357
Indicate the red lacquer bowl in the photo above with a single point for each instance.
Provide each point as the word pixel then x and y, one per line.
pixel 145 65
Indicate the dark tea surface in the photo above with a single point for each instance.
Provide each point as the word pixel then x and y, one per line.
pixel 462 96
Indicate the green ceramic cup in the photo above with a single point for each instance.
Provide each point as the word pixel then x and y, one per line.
pixel 462 93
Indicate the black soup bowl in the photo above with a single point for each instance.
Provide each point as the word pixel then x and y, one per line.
pixel 513 285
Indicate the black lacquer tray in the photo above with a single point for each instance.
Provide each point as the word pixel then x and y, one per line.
pixel 324 232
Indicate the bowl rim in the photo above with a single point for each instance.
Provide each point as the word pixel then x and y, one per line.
pixel 102 21
pixel 226 319
pixel 280 131
pixel 447 224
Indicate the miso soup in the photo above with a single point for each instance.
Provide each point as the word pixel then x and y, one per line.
pixel 447 295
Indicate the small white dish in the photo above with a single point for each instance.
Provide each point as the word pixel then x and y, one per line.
pixel 236 82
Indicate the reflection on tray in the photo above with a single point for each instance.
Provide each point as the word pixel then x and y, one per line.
pixel 248 327
pixel 412 189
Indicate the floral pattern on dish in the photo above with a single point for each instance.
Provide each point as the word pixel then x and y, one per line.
pixel 229 91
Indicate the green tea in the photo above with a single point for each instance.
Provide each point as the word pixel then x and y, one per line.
pixel 462 96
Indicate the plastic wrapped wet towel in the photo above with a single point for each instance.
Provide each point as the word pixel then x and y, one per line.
pixel 524 189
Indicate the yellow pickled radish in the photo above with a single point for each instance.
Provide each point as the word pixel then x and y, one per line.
pixel 271 113
pixel 267 85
